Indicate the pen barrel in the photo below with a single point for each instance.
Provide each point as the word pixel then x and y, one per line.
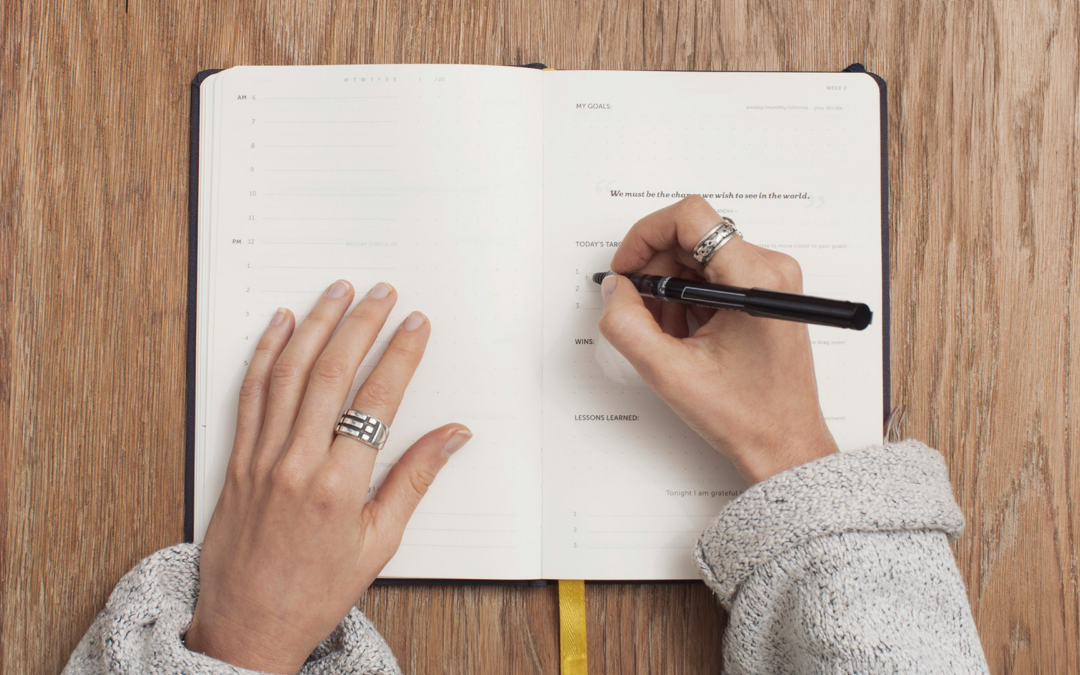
pixel 754 301
pixel 807 309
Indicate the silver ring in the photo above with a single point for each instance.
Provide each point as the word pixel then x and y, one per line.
pixel 714 239
pixel 364 428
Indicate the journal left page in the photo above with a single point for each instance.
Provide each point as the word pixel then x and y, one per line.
pixel 428 178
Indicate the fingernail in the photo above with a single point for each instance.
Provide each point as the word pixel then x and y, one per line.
pixel 279 316
pixel 415 320
pixel 608 286
pixel 379 291
pixel 337 289
pixel 459 439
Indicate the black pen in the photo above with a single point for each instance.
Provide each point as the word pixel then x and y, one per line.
pixel 753 301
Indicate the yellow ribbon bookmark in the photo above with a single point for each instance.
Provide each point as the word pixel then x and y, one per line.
pixel 572 627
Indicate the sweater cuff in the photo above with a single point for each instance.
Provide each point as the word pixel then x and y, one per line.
pixel 151 608
pixel 903 486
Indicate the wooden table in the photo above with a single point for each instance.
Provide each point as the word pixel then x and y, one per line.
pixel 984 104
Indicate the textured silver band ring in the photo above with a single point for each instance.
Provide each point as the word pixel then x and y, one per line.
pixel 714 239
pixel 364 428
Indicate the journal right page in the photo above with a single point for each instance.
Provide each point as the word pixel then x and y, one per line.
pixel 795 160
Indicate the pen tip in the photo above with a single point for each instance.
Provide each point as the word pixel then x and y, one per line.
pixel 599 277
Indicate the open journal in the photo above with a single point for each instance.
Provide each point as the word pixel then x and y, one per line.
pixel 485 195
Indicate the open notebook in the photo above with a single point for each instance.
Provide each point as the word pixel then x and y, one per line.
pixel 485 195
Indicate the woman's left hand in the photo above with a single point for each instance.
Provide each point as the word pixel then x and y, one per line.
pixel 292 544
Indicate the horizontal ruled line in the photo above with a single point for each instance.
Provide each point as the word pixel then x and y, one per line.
pixel 448 529
pixel 643 531
pixel 648 515
pixel 640 548
pixel 337 145
pixel 350 220
pixel 447 513
pixel 320 267
pixel 331 194
pixel 334 170
pixel 317 292
pixel 310 133
pixel 299 317
pixel 304 243
pixel 326 121
pixel 320 98
pixel 454 546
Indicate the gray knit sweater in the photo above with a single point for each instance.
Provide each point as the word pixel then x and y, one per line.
pixel 838 566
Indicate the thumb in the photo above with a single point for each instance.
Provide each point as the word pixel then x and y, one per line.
pixel 410 478
pixel 629 325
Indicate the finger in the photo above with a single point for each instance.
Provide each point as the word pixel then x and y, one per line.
pixel 680 227
pixel 702 315
pixel 253 390
pixel 289 375
pixel 788 268
pixel 670 315
pixel 335 369
pixel 381 393
pixel 654 306
pixel 629 326
pixel 386 515
pixel 673 319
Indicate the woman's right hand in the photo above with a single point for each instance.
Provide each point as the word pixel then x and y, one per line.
pixel 744 384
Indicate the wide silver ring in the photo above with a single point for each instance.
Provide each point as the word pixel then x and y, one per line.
pixel 714 239
pixel 364 428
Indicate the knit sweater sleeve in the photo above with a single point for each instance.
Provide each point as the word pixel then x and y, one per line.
pixel 140 629
pixel 843 565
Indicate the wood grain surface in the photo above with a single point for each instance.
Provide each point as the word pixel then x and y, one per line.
pixel 984 108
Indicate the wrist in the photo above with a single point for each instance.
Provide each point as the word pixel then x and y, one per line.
pixel 761 464
pixel 237 647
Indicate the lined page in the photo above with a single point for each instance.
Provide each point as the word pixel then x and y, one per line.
pixel 794 159
pixel 426 177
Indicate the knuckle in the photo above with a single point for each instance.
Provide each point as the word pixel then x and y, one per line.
pixel 287 478
pixel 330 370
pixel 259 469
pixel 694 205
pixel 286 371
pixel 236 475
pixel 404 348
pixel 619 329
pixel 772 277
pixel 329 489
pixel 692 202
pixel 378 393
pixel 360 314
pixel 609 325
pixel 322 316
pixel 252 388
pixel 614 325
pixel 420 480
pixel 265 347
pixel 790 270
